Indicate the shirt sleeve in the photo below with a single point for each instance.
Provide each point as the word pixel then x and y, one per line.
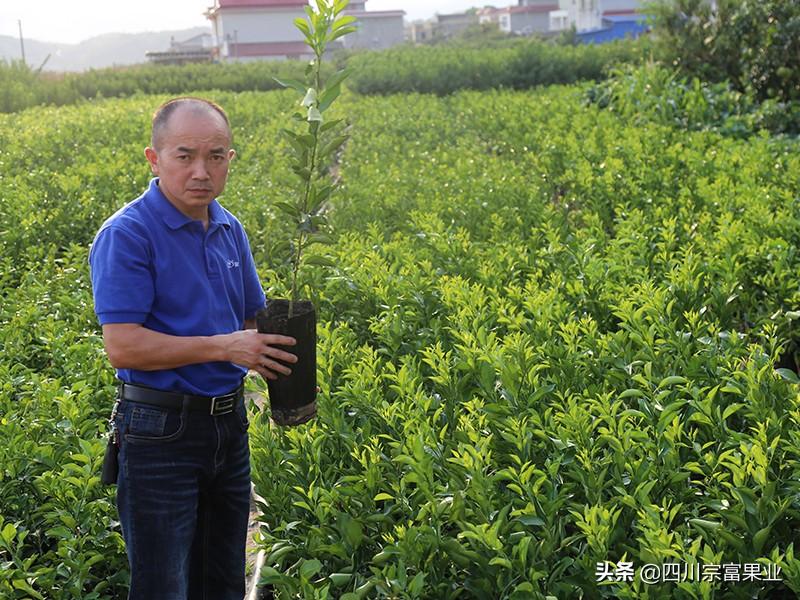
pixel 254 298
pixel 122 278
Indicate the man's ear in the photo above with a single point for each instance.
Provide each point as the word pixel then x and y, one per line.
pixel 152 157
pixel 231 154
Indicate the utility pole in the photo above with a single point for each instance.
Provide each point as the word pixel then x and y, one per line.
pixel 21 41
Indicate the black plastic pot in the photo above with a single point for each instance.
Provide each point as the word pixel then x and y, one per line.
pixel 293 397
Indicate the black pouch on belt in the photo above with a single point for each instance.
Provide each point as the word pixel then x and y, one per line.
pixel 110 470
pixel 108 475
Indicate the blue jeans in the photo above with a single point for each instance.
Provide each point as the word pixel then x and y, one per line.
pixel 183 494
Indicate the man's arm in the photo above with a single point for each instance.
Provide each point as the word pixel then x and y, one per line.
pixel 133 346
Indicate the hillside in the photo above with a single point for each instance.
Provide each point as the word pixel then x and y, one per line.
pixel 93 53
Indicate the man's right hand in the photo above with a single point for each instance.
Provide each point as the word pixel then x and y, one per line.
pixel 257 351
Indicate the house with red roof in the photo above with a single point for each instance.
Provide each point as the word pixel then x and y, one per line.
pixel 264 29
pixel 247 30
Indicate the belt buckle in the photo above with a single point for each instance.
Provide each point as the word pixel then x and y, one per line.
pixel 222 405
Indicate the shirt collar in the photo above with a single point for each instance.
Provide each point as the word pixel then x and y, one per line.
pixel 175 219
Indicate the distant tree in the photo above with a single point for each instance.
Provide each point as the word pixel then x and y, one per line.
pixel 755 44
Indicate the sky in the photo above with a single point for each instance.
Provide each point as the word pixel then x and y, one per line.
pixel 71 21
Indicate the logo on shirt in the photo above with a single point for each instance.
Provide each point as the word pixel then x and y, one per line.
pixel 232 264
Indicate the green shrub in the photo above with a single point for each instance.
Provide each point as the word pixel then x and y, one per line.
pixel 444 69
pixel 754 44
pixel 22 87
pixel 654 93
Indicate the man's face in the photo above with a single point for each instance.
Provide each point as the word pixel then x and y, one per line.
pixel 192 160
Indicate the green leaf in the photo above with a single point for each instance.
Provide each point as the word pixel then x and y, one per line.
pixel 303 26
pixel 748 499
pixel 330 125
pixel 672 380
pixel 294 84
pixel 342 32
pixel 385 555
pixel 383 496
pixel 320 238
pixel 21 584
pixel 328 96
pixel 269 575
pixel 302 173
pixel 760 538
pixel 9 533
pixel 705 524
pixel 731 409
pixel 318 221
pixel 320 196
pixel 306 140
pixel 353 532
pixel 309 568
pixel 340 579
pixel 501 561
pixel 343 21
pixel 337 78
pixel 417 584
pixel 278 554
pixel 333 145
pixel 319 261
pixel 288 208
pixel 788 375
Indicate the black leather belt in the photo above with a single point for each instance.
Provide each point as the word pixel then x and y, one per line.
pixel 214 405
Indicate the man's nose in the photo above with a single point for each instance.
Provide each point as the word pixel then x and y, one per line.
pixel 199 170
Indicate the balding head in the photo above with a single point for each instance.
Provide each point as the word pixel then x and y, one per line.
pixel 191 104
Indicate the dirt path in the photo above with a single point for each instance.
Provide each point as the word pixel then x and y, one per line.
pixel 252 548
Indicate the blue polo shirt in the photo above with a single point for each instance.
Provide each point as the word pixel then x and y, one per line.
pixel 153 265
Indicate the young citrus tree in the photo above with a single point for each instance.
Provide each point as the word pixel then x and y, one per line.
pixel 313 148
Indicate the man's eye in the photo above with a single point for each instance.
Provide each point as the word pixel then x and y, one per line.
pixel 217 157
pixel 182 157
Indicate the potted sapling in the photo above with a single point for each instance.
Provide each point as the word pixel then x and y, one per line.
pixel 313 144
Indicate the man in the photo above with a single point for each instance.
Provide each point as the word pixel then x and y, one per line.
pixel 176 292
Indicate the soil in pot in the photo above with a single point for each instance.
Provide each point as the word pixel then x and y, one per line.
pixel 292 397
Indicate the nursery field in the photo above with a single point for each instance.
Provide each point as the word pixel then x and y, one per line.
pixel 549 341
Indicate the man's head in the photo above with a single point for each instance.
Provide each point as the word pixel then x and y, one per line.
pixel 190 152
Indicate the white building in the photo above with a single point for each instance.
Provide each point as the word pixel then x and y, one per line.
pixel 196 49
pixel 257 29
pixel 580 14
pixel 587 15
pixel 376 29
pixel 531 16
pixel 264 29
